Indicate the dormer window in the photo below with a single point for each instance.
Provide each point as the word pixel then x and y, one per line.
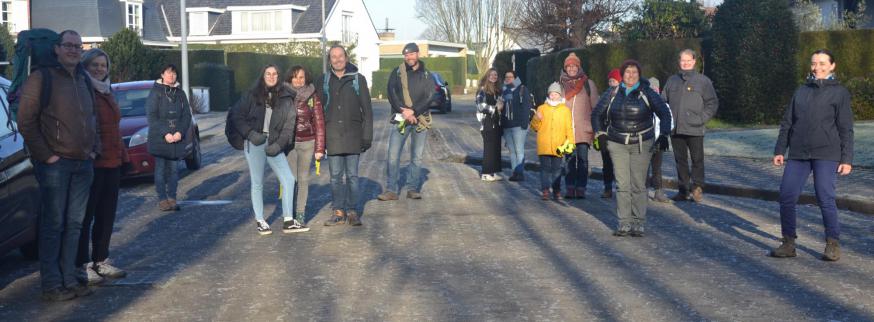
pixel 133 17
pixel 198 23
pixel 262 19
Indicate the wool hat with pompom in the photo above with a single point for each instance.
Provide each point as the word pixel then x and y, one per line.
pixel 572 59
pixel 555 87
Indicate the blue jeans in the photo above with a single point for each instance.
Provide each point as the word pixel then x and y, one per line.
pixel 578 168
pixel 345 194
pixel 396 142
pixel 256 157
pixel 64 186
pixel 550 173
pixel 166 178
pixel 515 139
pixel 824 179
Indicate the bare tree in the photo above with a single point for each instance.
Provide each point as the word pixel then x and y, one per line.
pixel 479 24
pixel 560 24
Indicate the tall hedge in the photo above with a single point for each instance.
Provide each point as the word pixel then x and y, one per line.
pixel 174 56
pixel 457 65
pixel 853 51
pixel 755 44
pixel 220 80
pixel 379 85
pixel 247 67
pixel 504 62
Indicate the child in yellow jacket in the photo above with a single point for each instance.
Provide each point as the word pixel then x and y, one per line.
pixel 555 138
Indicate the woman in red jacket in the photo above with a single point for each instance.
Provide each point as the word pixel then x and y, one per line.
pixel 93 266
pixel 309 139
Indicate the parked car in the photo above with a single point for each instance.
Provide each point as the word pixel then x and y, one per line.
pixel 19 192
pixel 131 97
pixel 442 99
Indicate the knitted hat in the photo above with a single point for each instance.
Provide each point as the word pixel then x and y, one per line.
pixel 614 74
pixel 654 83
pixel 555 87
pixel 411 48
pixel 572 59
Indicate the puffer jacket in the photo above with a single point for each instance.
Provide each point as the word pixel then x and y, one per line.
pixel 630 119
pixel 168 112
pixel 310 123
pixel 250 118
pixel 818 123
pixel 554 129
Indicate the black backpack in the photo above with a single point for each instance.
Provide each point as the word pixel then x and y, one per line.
pixel 236 139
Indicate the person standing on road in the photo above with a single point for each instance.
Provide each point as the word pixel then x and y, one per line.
pixel 410 89
pixel 554 126
pixel 514 122
pixel 169 117
pixel 92 259
pixel 613 79
pixel 309 138
pixel 489 107
pixel 578 93
pixel 63 142
pixel 817 129
pixel 630 129
pixel 693 102
pixel 655 178
pixel 348 132
pixel 266 115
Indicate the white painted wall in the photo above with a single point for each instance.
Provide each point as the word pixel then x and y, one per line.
pixel 20 16
pixel 367 50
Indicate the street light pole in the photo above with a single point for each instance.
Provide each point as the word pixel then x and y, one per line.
pixel 322 41
pixel 184 49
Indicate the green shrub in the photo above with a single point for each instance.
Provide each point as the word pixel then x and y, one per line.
pixel 220 80
pixel 862 91
pixel 131 60
pixel 247 67
pixel 162 57
pixel 379 84
pixel 754 60
pixel 853 51
pixel 504 62
pixel 7 46
pixel 458 66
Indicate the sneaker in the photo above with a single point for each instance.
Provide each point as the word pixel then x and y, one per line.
pixel 545 195
pixel 636 231
pixel 388 195
pixel 517 177
pixel 338 218
pixel 171 203
pixel 86 274
pixel 661 197
pixel 263 227
pixel 697 195
pixel 164 205
pixel 105 270
pixel 497 177
pixel 352 218
pixel 414 195
pixel 81 290
pixel 786 249
pixel 294 226
pixel 557 195
pixel 622 231
pixel 581 193
pixel 832 251
pixel 57 295
pixel 487 178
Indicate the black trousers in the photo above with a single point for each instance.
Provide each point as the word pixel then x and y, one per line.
pixel 102 204
pixel 607 168
pixel 684 147
pixel 655 176
pixel 491 151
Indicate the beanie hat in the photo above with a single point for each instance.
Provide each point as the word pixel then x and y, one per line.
pixel 411 48
pixel 572 59
pixel 654 83
pixel 614 74
pixel 555 87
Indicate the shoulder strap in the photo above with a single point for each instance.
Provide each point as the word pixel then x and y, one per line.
pixel 355 86
pixel 325 90
pixel 588 87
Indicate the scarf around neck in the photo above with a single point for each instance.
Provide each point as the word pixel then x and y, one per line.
pixel 103 87
pixel 572 85
pixel 303 93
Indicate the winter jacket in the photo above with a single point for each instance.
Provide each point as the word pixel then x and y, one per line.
pixel 168 112
pixel 630 118
pixel 113 152
pixel 251 112
pixel 67 125
pixel 818 123
pixel 310 123
pixel 421 87
pixel 581 106
pixel 518 105
pixel 692 100
pixel 487 111
pixel 348 116
pixel 554 129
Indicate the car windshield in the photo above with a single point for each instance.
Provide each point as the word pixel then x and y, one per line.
pixel 132 102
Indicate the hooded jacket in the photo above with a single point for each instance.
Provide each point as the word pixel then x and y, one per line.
pixel 692 100
pixel 553 129
pixel 818 123
pixel 250 117
pixel 348 116
pixel 168 112
pixel 421 86
pixel 518 105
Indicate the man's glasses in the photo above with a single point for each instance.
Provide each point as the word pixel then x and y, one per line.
pixel 71 46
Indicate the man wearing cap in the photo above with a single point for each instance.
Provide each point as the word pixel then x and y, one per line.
pixel 581 95
pixel 693 102
pixel 410 89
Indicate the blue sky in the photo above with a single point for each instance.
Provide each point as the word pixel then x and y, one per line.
pixel 401 16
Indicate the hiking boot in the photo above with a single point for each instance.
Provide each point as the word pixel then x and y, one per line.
pixel 517 177
pixel 680 196
pixel 294 226
pixel 698 194
pixel 414 195
pixel 607 194
pixel 352 218
pixel 338 218
pixel 164 205
pixel 545 195
pixel 786 249
pixel 81 290
pixel 557 195
pixel 581 193
pixel 660 196
pixel 263 227
pixel 57 295
pixel 832 250
pixel 105 270
pixel 571 193
pixel 86 274
pixel 172 204
pixel 388 195
pixel 622 231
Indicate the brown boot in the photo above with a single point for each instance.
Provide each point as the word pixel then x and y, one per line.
pixel 571 193
pixel 171 203
pixel 338 218
pixel 697 194
pixel 164 205
pixel 352 218
pixel 786 249
pixel 832 250
pixel 607 194
pixel 545 195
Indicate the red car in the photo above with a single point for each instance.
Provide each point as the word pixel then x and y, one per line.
pixel 131 98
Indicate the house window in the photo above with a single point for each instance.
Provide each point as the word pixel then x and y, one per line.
pixel 261 21
pixel 6 13
pixel 348 36
pixel 198 23
pixel 134 16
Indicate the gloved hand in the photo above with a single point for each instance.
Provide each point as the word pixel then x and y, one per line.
pixel 256 138
pixel 600 139
pixel 661 144
pixel 273 150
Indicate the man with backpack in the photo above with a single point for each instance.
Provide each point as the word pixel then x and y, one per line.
pixel 410 90
pixel 59 130
pixel 348 132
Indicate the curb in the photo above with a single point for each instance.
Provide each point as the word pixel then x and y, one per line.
pixel 865 206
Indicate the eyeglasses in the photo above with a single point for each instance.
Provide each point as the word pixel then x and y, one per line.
pixel 71 46
pixel 509 77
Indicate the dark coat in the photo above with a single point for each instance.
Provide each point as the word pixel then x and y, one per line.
pixel 517 108
pixel 348 116
pixel 692 100
pixel 421 86
pixel 250 113
pixel 168 112
pixel 818 123
pixel 630 115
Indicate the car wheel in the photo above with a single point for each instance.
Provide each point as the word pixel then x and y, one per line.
pixel 30 251
pixel 194 161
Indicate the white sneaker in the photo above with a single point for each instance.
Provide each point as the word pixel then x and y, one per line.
pixel 86 274
pixel 104 269
pixel 488 178
pixel 497 177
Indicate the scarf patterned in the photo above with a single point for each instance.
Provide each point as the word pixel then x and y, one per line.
pixel 573 85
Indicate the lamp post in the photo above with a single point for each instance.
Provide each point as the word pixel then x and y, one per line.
pixel 184 48
pixel 322 41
